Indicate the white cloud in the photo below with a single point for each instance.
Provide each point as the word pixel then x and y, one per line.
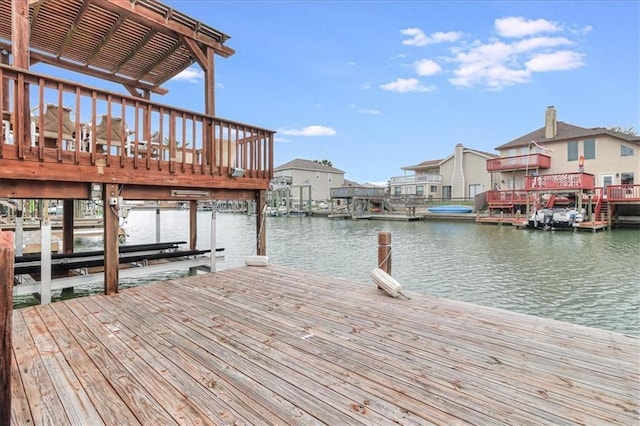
pixel 404 85
pixel 419 38
pixel 314 130
pixel 427 67
pixel 518 26
pixel 557 61
pixel 499 64
pixel 280 140
pixel 351 63
pixel 521 48
pixel 190 75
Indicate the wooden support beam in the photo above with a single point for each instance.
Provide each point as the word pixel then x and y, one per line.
pixel 111 225
pixel 67 225
pixel 261 232
pixel 7 256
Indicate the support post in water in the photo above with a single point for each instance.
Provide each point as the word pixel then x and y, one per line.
pixel 6 310
pixel 384 251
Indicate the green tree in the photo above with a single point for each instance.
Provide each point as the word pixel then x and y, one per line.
pixel 324 162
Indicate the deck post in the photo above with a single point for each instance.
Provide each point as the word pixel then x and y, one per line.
pixel 193 224
pixel 6 311
pixel 261 232
pixel 45 260
pixel 67 225
pixel 19 228
pixel 384 251
pixel 212 266
pixel 157 224
pixel 110 199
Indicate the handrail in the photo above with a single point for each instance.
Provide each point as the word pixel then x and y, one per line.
pixel 559 181
pixel 623 193
pixel 519 162
pixel 133 132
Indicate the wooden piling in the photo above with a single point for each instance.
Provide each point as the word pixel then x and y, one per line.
pixel 6 309
pixel 384 251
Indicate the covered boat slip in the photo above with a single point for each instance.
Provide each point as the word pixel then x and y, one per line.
pixel 279 346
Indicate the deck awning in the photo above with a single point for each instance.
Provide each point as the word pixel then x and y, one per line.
pixel 139 43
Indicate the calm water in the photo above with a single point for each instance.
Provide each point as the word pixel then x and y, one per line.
pixel 583 278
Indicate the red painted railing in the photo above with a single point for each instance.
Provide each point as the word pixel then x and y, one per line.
pixel 623 193
pixel 559 181
pixel 519 162
pixel 506 198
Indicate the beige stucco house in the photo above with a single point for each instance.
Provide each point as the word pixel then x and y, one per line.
pixel 321 178
pixel 612 157
pixel 462 174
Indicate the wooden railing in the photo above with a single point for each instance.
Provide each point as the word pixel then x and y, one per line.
pixel 560 181
pixel 49 120
pixel 506 198
pixel 419 178
pixel 519 162
pixel 357 191
pixel 623 193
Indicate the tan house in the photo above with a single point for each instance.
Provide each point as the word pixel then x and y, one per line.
pixel 462 174
pixel 612 157
pixel 319 177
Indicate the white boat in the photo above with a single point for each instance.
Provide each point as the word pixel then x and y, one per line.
pixel 556 218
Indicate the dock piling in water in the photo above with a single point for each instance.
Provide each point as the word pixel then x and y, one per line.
pixel 384 251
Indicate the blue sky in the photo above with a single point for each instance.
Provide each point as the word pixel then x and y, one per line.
pixel 377 85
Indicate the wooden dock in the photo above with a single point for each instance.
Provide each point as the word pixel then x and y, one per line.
pixel 280 346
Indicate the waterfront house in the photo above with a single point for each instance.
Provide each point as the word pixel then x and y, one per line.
pixel 558 147
pixel 462 174
pixel 597 164
pixel 318 177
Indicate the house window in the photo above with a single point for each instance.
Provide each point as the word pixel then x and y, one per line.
pixel 589 149
pixel 626 151
pixel 433 188
pixel 572 151
pixel 474 189
pixel 420 190
pixel 397 190
pixel 330 177
pixel 626 178
pixel 317 175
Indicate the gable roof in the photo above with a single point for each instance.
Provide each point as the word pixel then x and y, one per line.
pixel 423 165
pixel 437 163
pixel 567 132
pixel 300 164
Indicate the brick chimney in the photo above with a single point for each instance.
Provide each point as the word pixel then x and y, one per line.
pixel 550 123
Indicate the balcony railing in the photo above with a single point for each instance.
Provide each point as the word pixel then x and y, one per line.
pixel 623 193
pixel 560 181
pixel 72 132
pixel 420 178
pixel 519 162
pixel 506 198
pixel 357 191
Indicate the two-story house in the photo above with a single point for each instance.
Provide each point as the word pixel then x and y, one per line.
pixel 598 169
pixel 612 157
pixel 319 177
pixel 463 174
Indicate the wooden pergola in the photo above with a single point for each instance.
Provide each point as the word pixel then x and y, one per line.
pixel 140 44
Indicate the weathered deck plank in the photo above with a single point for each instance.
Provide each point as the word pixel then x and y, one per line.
pixel 280 346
